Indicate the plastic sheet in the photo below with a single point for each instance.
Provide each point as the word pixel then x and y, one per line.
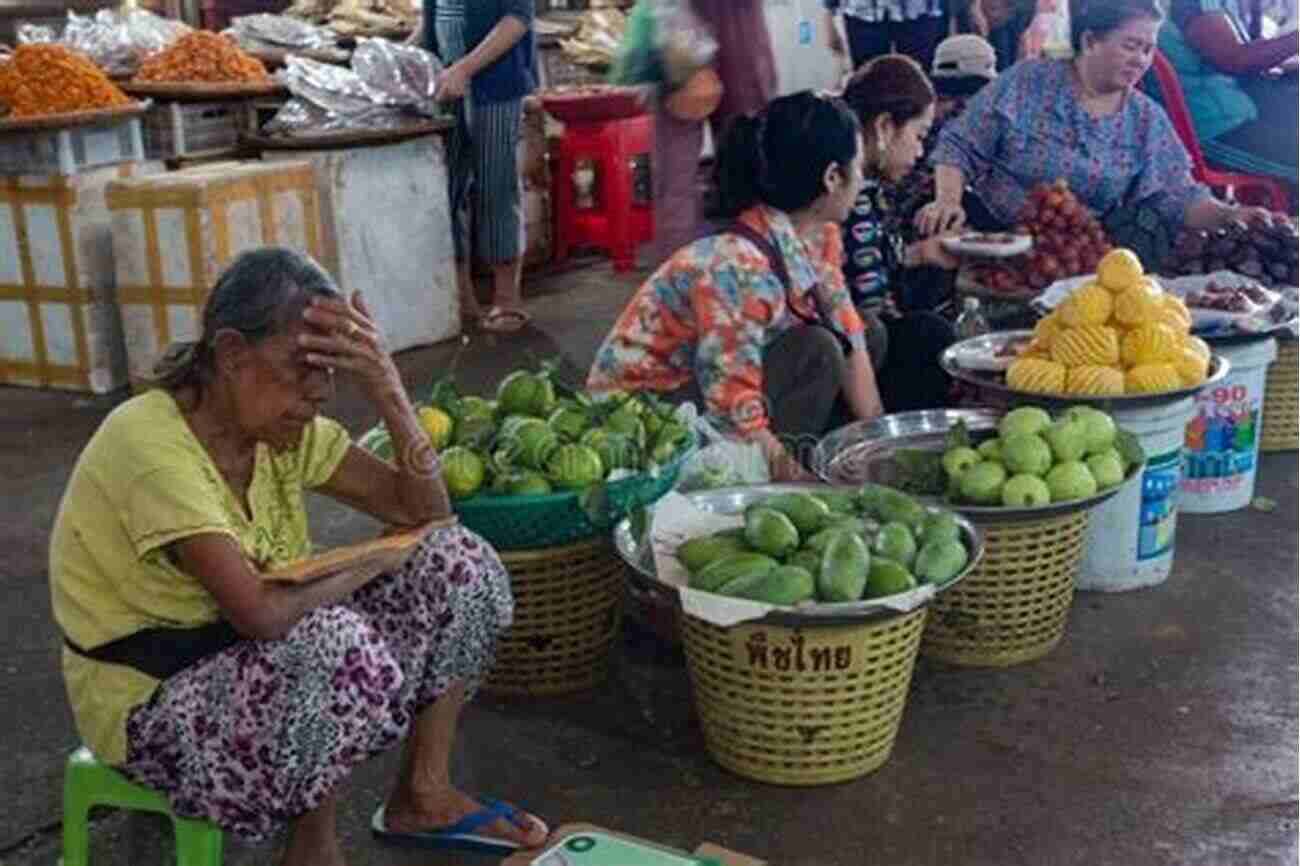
pixel 281 31
pixel 386 87
pixel 116 41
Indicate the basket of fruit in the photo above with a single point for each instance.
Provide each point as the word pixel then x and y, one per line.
pixel 530 469
pixel 801 610
pixel 1027 481
pixel 1280 427
pixel 1116 340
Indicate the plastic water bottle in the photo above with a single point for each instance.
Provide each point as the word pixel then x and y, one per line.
pixel 971 322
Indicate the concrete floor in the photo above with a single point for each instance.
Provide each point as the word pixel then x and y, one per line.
pixel 1163 730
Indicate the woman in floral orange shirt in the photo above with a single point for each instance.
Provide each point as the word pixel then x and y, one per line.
pixel 755 323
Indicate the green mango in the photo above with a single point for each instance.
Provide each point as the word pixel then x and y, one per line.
pixel 806 512
pixel 843 574
pixel 727 568
pixel 697 553
pixel 838 502
pixel 809 560
pixel 887 577
pixel 771 532
pixel 785 585
pixel 940 561
pixel 940 526
pixel 896 506
pixel 895 541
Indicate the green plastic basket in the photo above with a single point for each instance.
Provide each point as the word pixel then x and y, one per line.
pixel 531 522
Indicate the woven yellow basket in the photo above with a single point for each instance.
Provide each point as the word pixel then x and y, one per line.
pixel 1012 607
pixel 567 611
pixel 802 706
pixel 1280 429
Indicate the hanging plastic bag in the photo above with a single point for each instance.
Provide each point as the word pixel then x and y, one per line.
pixel 721 460
pixel 637 60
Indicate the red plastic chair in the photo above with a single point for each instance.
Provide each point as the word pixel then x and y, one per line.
pixel 1270 192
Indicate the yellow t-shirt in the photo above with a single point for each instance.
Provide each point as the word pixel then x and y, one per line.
pixel 143 482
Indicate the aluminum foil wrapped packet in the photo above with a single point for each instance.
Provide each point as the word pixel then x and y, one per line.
pixel 387 86
pixel 117 42
pixel 281 31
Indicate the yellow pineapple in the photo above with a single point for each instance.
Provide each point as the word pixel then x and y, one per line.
pixel 1090 344
pixel 1197 345
pixel 1090 304
pixel 1047 328
pixel 1094 379
pixel 1191 367
pixel 1149 344
pixel 1140 304
pixel 1119 270
pixel 1032 374
pixel 1175 314
pixel 1151 379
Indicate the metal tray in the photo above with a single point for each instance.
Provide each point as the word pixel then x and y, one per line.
pixel 733 500
pixel 996 382
pixel 864 451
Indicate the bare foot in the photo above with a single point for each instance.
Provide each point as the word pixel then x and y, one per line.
pixel 405 814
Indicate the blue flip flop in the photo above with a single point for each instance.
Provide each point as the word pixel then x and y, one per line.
pixel 459 836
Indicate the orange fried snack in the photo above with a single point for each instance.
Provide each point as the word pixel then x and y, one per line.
pixel 203 56
pixel 43 78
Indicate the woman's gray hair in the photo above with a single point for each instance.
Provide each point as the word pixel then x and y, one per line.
pixel 259 294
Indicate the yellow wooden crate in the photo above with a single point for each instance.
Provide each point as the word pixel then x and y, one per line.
pixel 58 323
pixel 174 233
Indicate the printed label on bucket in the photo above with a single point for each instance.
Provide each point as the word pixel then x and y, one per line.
pixel 781 651
pixel 1220 440
pixel 1159 510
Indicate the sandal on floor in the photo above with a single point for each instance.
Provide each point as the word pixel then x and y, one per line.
pixel 461 835
pixel 505 320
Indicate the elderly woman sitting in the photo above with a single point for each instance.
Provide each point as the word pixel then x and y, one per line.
pixel 248 702
pixel 1080 119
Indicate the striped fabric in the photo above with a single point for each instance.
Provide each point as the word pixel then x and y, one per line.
pixel 482 164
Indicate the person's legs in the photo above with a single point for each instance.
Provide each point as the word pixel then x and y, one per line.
pixel 313 838
pixel 803 376
pixel 866 39
pixel 498 208
pixel 674 172
pixel 912 378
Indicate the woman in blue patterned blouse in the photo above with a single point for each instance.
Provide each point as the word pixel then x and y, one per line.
pixel 1080 119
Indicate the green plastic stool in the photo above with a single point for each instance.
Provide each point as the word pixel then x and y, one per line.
pixel 87 783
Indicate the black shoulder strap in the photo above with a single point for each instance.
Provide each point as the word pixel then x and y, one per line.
pixel 777 262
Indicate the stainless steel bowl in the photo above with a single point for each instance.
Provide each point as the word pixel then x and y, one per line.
pixel 864 451
pixel 995 382
pixel 637 553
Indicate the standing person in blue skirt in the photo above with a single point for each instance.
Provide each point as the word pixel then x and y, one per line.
pixel 487 46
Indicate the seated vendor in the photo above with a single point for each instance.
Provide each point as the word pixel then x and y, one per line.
pixel 247 702
pixel 894 284
pixel 754 324
pixel 1081 119
pixel 1243 108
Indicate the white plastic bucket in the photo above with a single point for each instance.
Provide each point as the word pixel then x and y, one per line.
pixel 1130 541
pixel 1222 444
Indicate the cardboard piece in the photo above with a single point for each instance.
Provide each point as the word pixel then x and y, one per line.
pixel 645 852
pixel 377 556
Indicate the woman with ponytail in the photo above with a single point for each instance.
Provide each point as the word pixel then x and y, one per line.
pixel 247 702
pixel 896 285
pixel 754 323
